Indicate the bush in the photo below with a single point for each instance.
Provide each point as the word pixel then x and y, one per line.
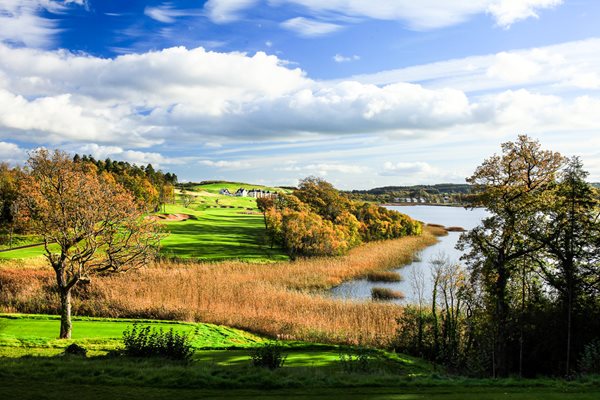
pixel 75 350
pixel 360 359
pixel 589 363
pixel 151 342
pixel 269 356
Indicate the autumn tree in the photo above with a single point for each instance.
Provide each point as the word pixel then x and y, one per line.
pixel 89 223
pixel 511 186
pixel 9 206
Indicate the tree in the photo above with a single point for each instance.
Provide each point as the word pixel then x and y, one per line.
pixel 186 198
pixel 512 187
pixel 90 224
pixel 568 229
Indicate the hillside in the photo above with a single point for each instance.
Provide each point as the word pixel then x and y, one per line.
pixel 216 186
pixel 441 188
pixel 212 227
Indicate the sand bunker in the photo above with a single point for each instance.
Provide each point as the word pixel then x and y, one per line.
pixel 170 217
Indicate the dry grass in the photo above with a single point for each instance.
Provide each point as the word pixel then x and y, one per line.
pixel 383 294
pixel 437 230
pixel 384 276
pixel 282 300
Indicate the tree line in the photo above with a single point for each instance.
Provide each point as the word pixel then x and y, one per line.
pixel 527 300
pixel 151 188
pixel 318 220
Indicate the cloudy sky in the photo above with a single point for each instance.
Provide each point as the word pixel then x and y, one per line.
pixel 363 93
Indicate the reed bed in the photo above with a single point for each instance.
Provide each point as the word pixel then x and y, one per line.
pixel 283 300
pixel 384 276
pixel 384 294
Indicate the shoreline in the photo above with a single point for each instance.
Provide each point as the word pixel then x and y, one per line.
pixel 422 204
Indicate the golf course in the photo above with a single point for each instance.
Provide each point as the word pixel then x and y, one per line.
pixel 215 227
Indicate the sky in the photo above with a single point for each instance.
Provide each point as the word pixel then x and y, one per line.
pixel 361 93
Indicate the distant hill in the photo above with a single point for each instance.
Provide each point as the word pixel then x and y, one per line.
pixel 441 188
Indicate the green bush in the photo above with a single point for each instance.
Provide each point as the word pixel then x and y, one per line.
pixel 151 342
pixel 360 359
pixel 589 363
pixel 269 356
pixel 75 350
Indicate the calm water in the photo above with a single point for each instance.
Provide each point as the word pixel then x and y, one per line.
pixel 448 216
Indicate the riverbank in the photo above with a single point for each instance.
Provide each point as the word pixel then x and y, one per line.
pixel 281 300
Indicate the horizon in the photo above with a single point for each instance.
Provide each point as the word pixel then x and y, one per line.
pixel 269 92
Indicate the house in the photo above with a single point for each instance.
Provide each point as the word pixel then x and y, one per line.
pixel 241 192
pixel 225 192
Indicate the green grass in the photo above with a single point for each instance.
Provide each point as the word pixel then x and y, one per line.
pixel 18 240
pixel 28 252
pixel 221 228
pixel 32 367
pixel 234 186
pixel 39 333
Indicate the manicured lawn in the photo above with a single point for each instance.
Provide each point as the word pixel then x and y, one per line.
pixel 221 228
pixel 31 367
pixel 28 252
pixel 233 186
pixel 102 334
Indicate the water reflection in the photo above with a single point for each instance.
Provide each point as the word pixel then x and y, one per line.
pixel 449 216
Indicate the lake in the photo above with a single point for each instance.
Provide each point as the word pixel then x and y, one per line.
pixel 360 289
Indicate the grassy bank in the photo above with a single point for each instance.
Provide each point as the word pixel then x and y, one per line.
pixel 277 300
pixel 31 366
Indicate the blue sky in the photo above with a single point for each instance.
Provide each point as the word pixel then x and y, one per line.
pixel 365 94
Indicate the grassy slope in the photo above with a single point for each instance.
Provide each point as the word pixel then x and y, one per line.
pixel 222 228
pixel 310 371
pixel 234 186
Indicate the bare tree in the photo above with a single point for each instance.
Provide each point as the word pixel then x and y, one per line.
pixel 90 224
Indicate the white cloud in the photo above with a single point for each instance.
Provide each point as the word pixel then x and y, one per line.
pixel 570 65
pixel 22 24
pixel 339 58
pixel 224 164
pixel 11 153
pixel 100 152
pixel 324 169
pixel 418 15
pixel 418 172
pixel 166 14
pixel 512 67
pixel 196 98
pixel 507 12
pixel 223 11
pixel 309 27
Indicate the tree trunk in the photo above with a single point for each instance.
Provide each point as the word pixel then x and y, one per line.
pixel 65 313
pixel 569 330
pixel 502 322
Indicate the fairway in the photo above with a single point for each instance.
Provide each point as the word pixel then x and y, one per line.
pixel 219 228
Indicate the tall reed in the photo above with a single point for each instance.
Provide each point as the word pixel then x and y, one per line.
pixel 284 300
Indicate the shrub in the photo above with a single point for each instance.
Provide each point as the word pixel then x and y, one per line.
pixel 589 363
pixel 383 294
pixel 151 342
pixel 75 350
pixel 359 359
pixel 269 356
